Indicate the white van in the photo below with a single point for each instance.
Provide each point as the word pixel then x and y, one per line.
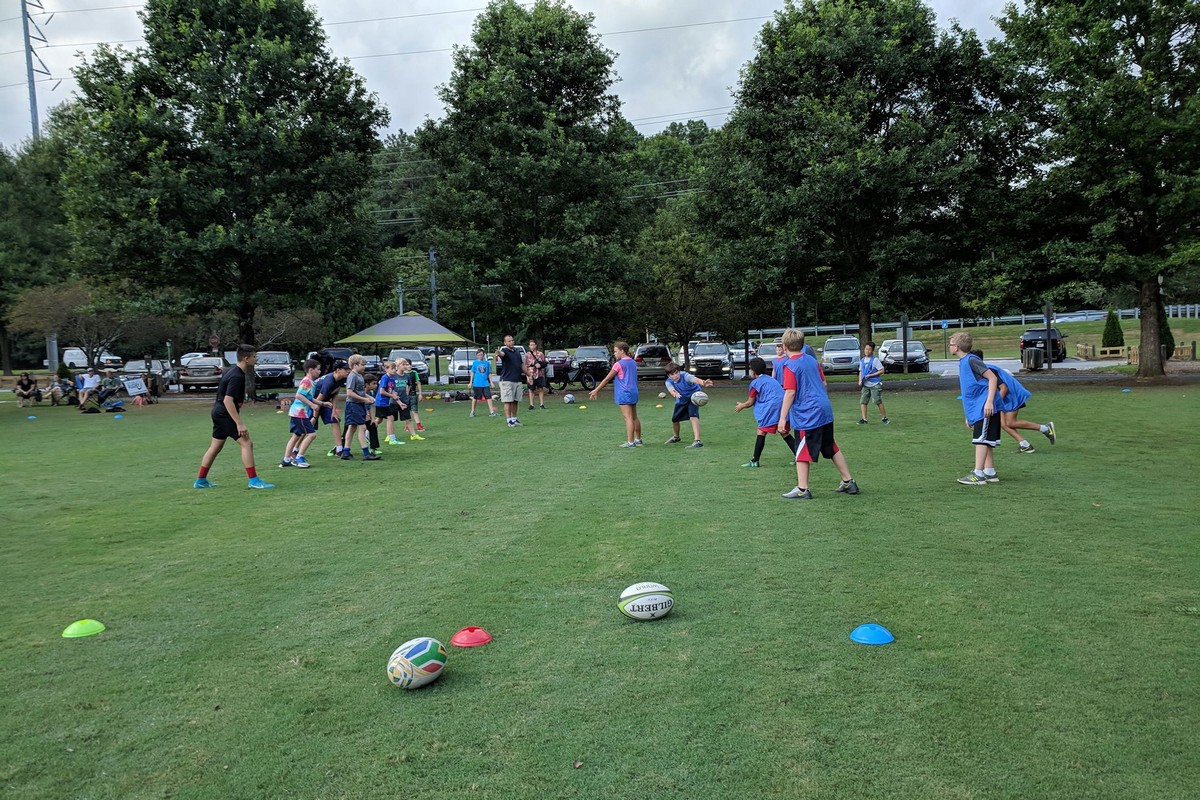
pixel 76 358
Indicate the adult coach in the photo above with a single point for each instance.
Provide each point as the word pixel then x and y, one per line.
pixel 513 374
pixel 227 421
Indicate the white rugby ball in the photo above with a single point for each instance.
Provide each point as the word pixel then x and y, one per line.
pixel 662 395
pixel 700 399
pixel 644 601
pixel 568 399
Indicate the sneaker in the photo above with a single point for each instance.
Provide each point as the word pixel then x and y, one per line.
pixel 510 423
pixel 375 451
pixel 259 483
pixel 629 444
pixel 752 464
pixel 472 414
pixel 637 442
pixel 493 414
pixel 884 421
pixel 850 487
pixel 416 438
pixel 1026 449
pixel 372 457
pixel 673 440
pixel 862 422
pixel 517 423
pixel 287 462
pixel 202 483
pixel 971 479
pixel 394 440
pixel 333 452
pixel 542 407
pixel 347 456
pixel 531 406
pixel 993 478
pixel 302 463
pixel 796 494
pixel 420 428
pixel 1049 433
pixel 695 444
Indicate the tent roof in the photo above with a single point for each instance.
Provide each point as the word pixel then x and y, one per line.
pixel 408 328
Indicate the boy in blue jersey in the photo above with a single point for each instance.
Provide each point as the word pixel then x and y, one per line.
pixel 385 401
pixel 806 409
pixel 766 396
pixel 682 385
pixel 481 382
pixel 979 385
pixel 870 381
pixel 328 386
pixel 1013 397
pixel 302 415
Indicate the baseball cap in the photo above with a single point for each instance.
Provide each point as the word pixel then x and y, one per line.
pixel 341 363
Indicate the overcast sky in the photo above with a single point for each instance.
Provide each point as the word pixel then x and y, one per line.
pixel 683 70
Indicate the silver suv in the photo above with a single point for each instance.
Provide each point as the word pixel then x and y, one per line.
pixel 840 354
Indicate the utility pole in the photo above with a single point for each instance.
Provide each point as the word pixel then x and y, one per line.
pixel 30 55
pixel 433 281
pixel 400 293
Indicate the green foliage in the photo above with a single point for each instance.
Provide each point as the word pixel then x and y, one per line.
pixel 1113 335
pixel 63 371
pixel 228 156
pixel 529 195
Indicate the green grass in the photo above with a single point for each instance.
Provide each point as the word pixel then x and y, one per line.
pixel 1047 627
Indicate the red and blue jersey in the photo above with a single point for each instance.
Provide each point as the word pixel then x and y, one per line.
pixel 625 387
pixel 386 384
pixel 767 394
pixel 810 407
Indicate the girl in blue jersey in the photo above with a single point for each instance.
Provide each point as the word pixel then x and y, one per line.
pixel 625 391
pixel 1013 397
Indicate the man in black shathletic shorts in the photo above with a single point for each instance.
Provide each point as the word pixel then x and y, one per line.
pixel 227 422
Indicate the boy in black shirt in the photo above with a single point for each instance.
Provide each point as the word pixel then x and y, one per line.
pixel 227 422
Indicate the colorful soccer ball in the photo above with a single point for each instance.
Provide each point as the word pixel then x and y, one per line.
pixel 568 399
pixel 416 662
pixel 700 399
pixel 644 601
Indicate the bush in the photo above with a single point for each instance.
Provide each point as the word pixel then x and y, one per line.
pixel 64 371
pixel 1165 338
pixel 1113 335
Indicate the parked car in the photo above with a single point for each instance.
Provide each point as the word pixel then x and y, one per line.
pixel 459 369
pixel 274 370
pixel 712 360
pixel 594 359
pixel 328 355
pixel 373 365
pixel 1036 337
pixel 840 354
pixel 652 360
pixel 686 353
pixel 201 373
pixel 1083 315
pixel 187 357
pixel 893 356
pixel 157 376
pixel 738 351
pixel 413 354
pixel 76 358
pixel 559 362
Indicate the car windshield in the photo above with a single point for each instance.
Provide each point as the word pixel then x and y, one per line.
pixel 591 352
pixel 710 350
pixel 558 354
pixel 206 362
pixel 273 358
pixel 135 366
pixel 463 355
pixel 841 344
pixel 916 347
pixel 412 355
pixel 653 351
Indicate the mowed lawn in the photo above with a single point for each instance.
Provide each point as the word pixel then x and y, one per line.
pixel 1047 627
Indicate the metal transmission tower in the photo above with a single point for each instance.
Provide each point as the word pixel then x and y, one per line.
pixel 30 54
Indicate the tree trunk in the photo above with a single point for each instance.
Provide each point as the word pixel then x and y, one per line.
pixel 1150 360
pixel 864 318
pixel 246 334
pixel 6 353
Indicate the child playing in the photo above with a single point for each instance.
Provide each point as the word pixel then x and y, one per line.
pixel 414 391
pixel 371 426
pixel 481 382
pixel 979 385
pixel 1013 397
pixel 806 408
pixel 766 395
pixel 301 415
pixel 406 384
pixel 870 380
pixel 327 390
pixel 385 401
pixel 227 422
pixel 357 404
pixel 682 385
pixel 625 392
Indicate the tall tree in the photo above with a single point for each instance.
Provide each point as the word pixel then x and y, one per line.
pixel 229 156
pixel 529 195
pixel 841 163
pixel 34 243
pixel 1118 108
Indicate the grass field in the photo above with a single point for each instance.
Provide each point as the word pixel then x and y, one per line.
pixel 1047 627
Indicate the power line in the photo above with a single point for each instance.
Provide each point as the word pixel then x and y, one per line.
pixel 89 10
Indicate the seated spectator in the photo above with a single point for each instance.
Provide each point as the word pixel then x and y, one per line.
pixel 27 391
pixel 60 391
pixel 111 386
pixel 88 384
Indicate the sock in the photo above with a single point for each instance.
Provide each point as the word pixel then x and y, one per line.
pixel 295 451
pixel 251 473
pixel 978 474
pixel 790 441
pixel 847 480
pixel 1043 428
pixel 366 451
pixel 989 472
pixel 203 472
pixel 1024 443
pixel 759 442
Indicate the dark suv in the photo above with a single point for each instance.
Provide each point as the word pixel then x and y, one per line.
pixel 1036 337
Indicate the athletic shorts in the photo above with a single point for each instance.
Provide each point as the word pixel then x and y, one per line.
pixel 404 414
pixel 328 417
pixel 986 431
pixel 870 395
pixel 538 383
pixel 511 391
pixel 627 399
pixel 684 411
pixel 356 413
pixel 302 426
pixel 384 412
pixel 224 428
pixel 811 445
pixel 481 392
pixel 768 429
